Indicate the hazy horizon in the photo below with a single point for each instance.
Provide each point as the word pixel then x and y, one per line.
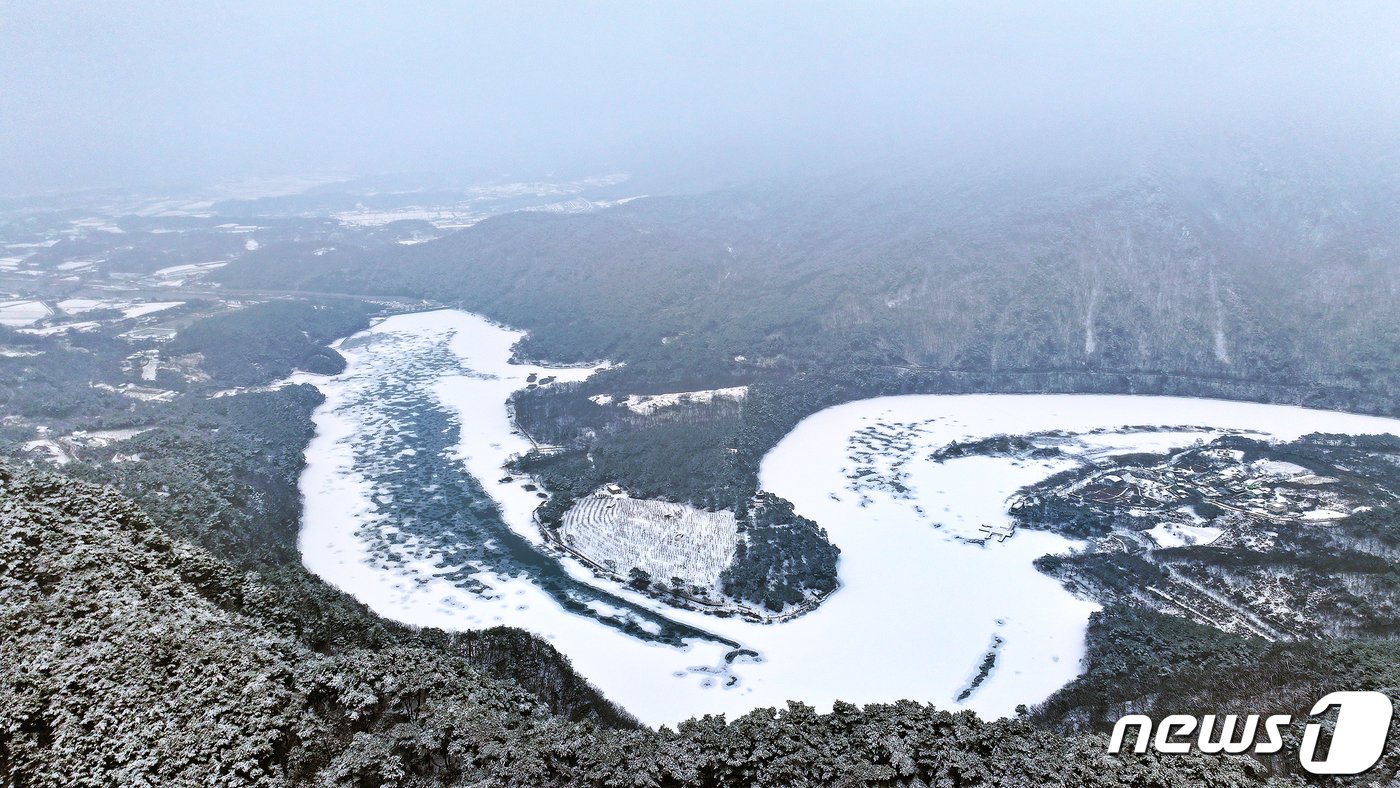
pixel 105 93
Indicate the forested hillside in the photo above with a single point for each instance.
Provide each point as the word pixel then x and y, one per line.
pixel 133 658
pixel 267 341
pixel 1273 271
pixel 1143 662
pixel 124 648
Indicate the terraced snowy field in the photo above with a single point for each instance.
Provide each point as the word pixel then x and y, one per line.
pixel 665 540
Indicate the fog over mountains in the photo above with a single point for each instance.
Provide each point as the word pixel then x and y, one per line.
pixel 1244 265
pixel 107 93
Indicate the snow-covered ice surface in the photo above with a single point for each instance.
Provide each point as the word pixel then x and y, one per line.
pixel 908 576
pixel 919 604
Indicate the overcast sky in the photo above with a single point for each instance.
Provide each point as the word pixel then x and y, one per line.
pixel 138 92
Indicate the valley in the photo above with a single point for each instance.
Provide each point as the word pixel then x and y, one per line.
pixel 695 529
pixel 877 474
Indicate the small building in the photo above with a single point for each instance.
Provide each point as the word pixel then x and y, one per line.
pixel 1001 532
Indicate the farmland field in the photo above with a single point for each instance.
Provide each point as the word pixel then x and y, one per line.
pixel 665 540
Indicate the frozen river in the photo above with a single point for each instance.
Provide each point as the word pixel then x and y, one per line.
pixel 415 433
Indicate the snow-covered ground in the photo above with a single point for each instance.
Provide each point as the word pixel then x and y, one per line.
pixel 149 308
pixel 129 309
pixel 190 269
pixel 49 331
pixel 56 453
pixel 665 540
pixel 645 404
pixel 77 306
pixel 63 450
pixel 248 389
pixel 1284 470
pixel 148 361
pixel 1179 535
pixel 581 205
pixel 478 203
pixel 918 605
pixel 450 218
pixel 99 224
pixel 22 313
pixel 143 393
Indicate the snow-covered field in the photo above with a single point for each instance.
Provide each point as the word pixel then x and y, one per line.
pixel 645 404
pixel 918 607
pixel 49 331
pixel 77 306
pixel 22 313
pixel 129 309
pixel 450 218
pixel 581 205
pixel 665 540
pixel 143 393
pixel 1179 535
pixel 191 269
pixel 149 308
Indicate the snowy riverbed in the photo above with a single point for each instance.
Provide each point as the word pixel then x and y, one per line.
pixel 919 606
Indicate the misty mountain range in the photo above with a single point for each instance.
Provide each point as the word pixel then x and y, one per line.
pixel 1247 270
